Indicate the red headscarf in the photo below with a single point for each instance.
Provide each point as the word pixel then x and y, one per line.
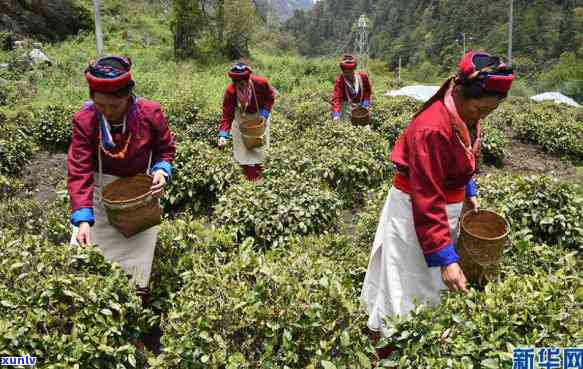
pixel 104 78
pixel 348 62
pixel 495 75
pixel 240 71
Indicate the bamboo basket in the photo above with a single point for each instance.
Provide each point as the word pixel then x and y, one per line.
pixel 360 116
pixel 130 206
pixel 253 131
pixel 483 237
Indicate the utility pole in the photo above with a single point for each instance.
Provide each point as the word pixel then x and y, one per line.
pixel 399 71
pixel 268 15
pixel 98 34
pixel 510 21
pixel 361 46
pixel 463 42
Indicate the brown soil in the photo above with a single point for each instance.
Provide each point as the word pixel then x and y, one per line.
pixel 528 159
pixel 44 174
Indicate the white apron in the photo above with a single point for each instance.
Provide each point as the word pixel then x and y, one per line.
pixel 134 254
pixel 398 277
pixel 241 154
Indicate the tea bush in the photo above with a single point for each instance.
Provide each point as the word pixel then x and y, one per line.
pixel 66 306
pixel 304 112
pixel 10 186
pixel 390 116
pixel 493 144
pixel 276 208
pixel 295 306
pixel 16 150
pixel 201 175
pixel 540 208
pixel 52 126
pixel 558 129
pixel 371 213
pixel 22 216
pixel 384 108
pixel 479 331
pixel 178 240
pixel 15 92
pixel 181 112
pixel 351 159
pixel 206 127
pixel 560 135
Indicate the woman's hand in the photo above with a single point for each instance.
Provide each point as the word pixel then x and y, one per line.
pixel 454 278
pixel 472 203
pixel 158 183
pixel 222 142
pixel 84 234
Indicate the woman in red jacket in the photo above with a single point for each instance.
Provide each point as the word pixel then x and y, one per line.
pixel 248 95
pixel 413 256
pixel 350 89
pixel 115 135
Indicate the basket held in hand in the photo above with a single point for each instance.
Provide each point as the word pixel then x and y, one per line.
pixel 483 238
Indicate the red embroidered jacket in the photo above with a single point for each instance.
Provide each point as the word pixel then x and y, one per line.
pixel 150 133
pixel 264 93
pixel 437 167
pixel 339 92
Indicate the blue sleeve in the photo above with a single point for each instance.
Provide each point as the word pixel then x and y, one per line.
pixel 82 215
pixel 336 115
pixel 264 113
pixel 165 166
pixel 224 134
pixel 365 104
pixel 471 188
pixel 443 257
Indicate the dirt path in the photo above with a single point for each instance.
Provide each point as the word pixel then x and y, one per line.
pixel 528 159
pixel 43 175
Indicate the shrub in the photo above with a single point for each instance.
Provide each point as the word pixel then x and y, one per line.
pixel 206 127
pixel 201 175
pixel 480 330
pixel 351 159
pixel 14 92
pixel 558 129
pixel 9 187
pixel 370 215
pixel 16 150
pixel 306 111
pixel 390 116
pixel 493 143
pixel 295 306
pixel 178 240
pixel 181 112
pixel 276 208
pixel 66 306
pixel 52 126
pixel 540 208
pixel 24 216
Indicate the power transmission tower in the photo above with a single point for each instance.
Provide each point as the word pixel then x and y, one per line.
pixel 361 43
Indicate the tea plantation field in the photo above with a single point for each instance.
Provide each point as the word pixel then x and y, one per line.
pixel 268 274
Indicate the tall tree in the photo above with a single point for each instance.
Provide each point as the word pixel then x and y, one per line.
pixel 187 27
pixel 239 23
